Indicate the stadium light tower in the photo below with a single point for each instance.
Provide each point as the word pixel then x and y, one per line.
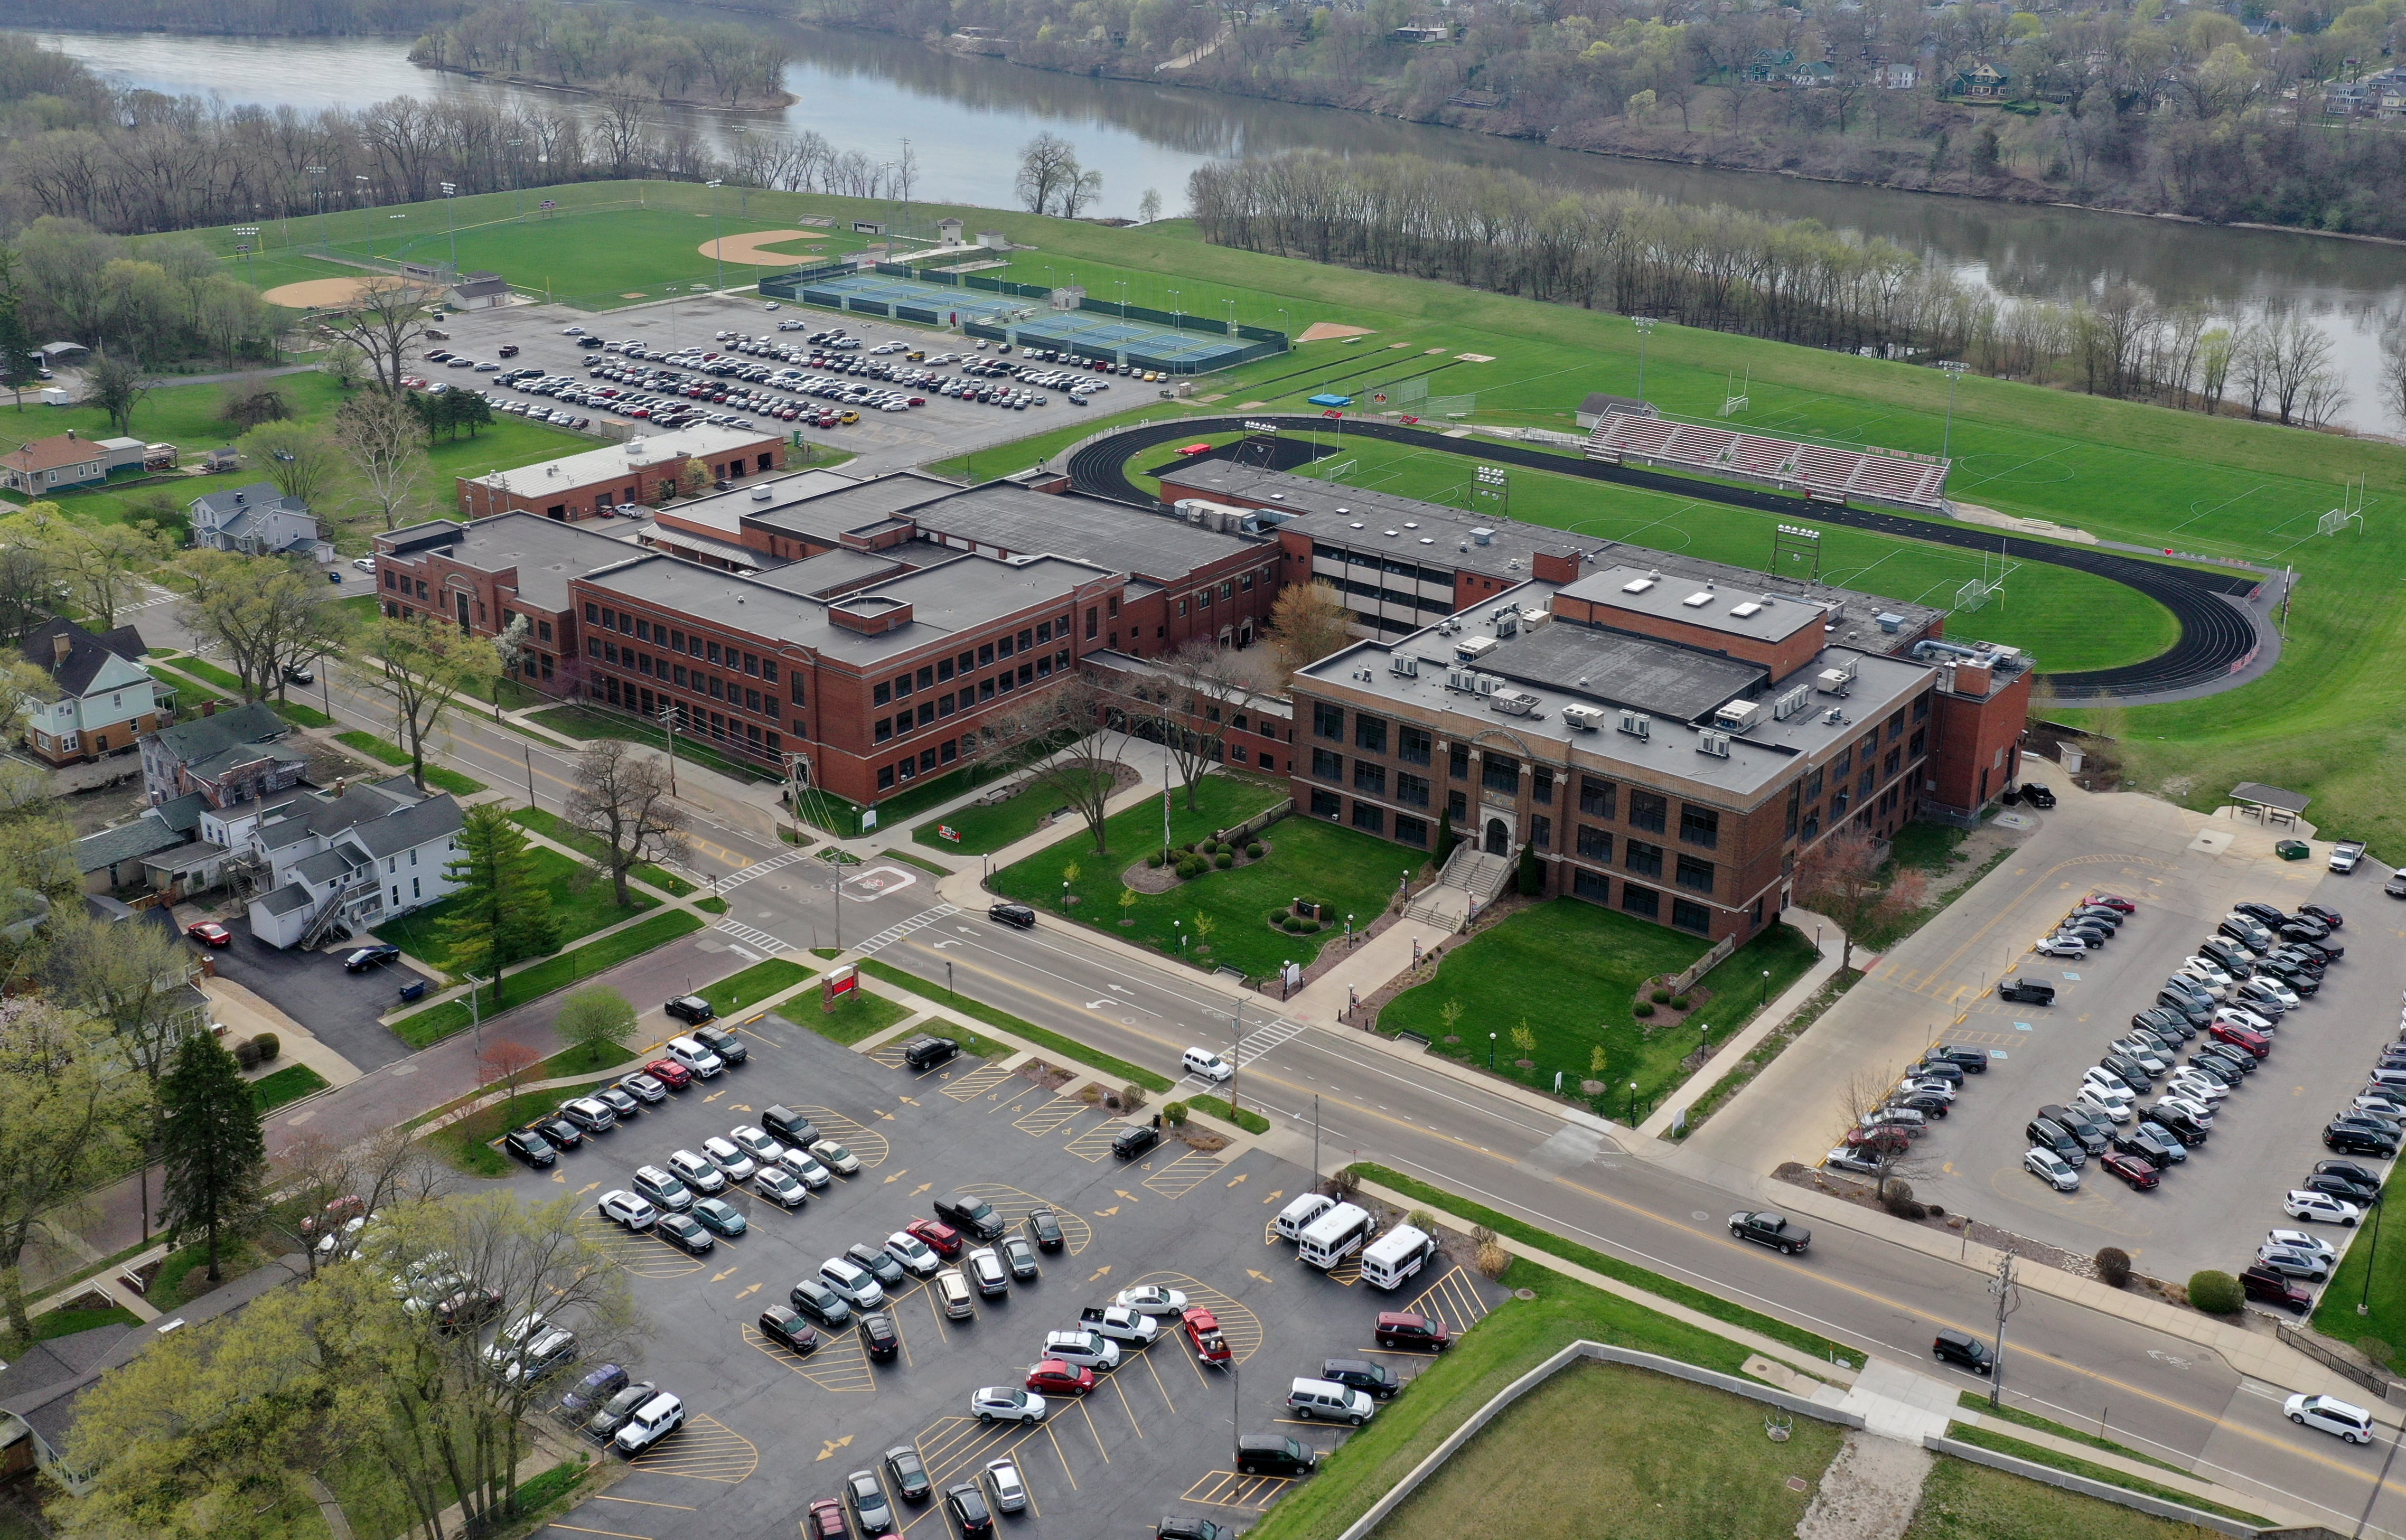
pixel 1954 368
pixel 718 240
pixel 449 191
pixel 1645 325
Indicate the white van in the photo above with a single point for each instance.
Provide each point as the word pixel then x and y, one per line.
pixel 1396 1256
pixel 1297 1216
pixel 654 1421
pixel 690 1052
pixel 1208 1064
pixel 1334 1235
pixel 1330 1401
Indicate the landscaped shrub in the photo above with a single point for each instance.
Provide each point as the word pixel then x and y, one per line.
pixel 1090 1093
pixel 1132 1096
pixel 2113 1267
pixel 246 1054
pixel 1153 860
pixel 2216 1293
pixel 269 1045
pixel 1678 1002
pixel 1174 1113
pixel 1277 917
pixel 1209 847
pixel 1897 1198
pixel 1290 923
pixel 1194 866
pixel 1643 1008
pixel 1254 851
pixel 1493 1260
pixel 1223 860
pixel 1308 928
pixel 1661 996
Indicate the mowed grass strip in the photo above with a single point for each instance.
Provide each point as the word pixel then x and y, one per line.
pixel 1998 1442
pixel 441 777
pixel 582 904
pixel 1305 857
pixel 990 828
pixel 856 1016
pixel 758 983
pixel 553 826
pixel 1028 1031
pixel 1962 1500
pixel 557 971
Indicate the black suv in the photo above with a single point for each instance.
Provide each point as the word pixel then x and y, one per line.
pixel 1274 1454
pixel 789 1125
pixel 1136 1141
pixel 529 1147
pixel 690 1007
pixel 1972 1060
pixel 1362 1374
pixel 2350 1138
pixel 926 1052
pixel 2049 1134
pixel 2028 991
pixel 1017 915
pixel 1952 1347
pixel 725 1044
pixel 2089 1135
pixel 973 1214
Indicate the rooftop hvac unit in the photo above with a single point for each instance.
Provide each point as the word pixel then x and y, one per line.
pixel 1404 664
pixel 1946 677
pixel 1713 743
pixel 1739 715
pixel 1483 536
pixel 1833 680
pixel 1637 723
pixel 1489 684
pixel 1833 716
pixel 1791 702
pixel 1512 702
pixel 1460 679
pixel 1582 718
pixel 1531 620
pixel 1474 648
pixel 1507 623
pixel 1890 623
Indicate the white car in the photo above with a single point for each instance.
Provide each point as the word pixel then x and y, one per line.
pixel 2060 946
pixel 624 1207
pixel 1205 1064
pixel 1153 1299
pixel 2321 1206
pixel 1942 1090
pixel 2239 1015
pixel 1124 1324
pixel 690 1052
pixel 1845 1158
pixel 723 1155
pixel 2104 1080
pixel 2196 1111
pixel 2112 1109
pixel 1007 1402
pixel 2048 1167
pixel 366 563
pixel 853 1281
pixel 755 1141
pixel 780 1187
pixel 571 331
pixel 914 1254
pixel 835 1157
pixel 2197 1085
pixel 2333 1416
pixel 813 1175
pixel 2298 1240
pixel 2206 972
pixel 654 1421
pixel 1004 1486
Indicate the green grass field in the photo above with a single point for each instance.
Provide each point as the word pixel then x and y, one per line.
pixel 580 904
pixel 990 828
pixel 1962 1500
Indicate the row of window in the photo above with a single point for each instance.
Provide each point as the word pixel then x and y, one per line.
pixel 1642 856
pixel 1441 577
pixel 1370 818
pixel 1598 798
pixel 729 657
pixel 1645 902
pixel 693 717
pixel 927 713
pixel 942 671
pixel 735 692
pixel 912 766
pixel 1201 598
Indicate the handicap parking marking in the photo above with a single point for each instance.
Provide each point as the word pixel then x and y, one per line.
pixel 1184 1174
pixel 861 1139
pixel 642 1254
pixel 1095 1143
pixel 704 1449
pixel 1015 1204
pixel 978 1082
pixel 1238 1325
pixel 1453 1298
pixel 1230 1490
pixel 840 1364
pixel 1051 1118
pixel 2022 1027
pixel 1348 1272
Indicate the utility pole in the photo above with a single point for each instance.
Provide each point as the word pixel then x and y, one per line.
pixel 1315 1141
pixel 1237 1052
pixel 527 749
pixel 668 721
pixel 2009 1299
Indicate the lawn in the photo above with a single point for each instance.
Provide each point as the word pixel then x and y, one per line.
pixel 2335 1313
pixel 758 983
pixel 551 825
pixel 1040 1037
pixel 466 1145
pixel 184 1276
pixel 1667 1459
pixel 58 1323
pixel 585 724
pixel 1306 858
pixel 1569 972
pixel 287 1084
pixel 1999 1443
pixel 580 903
pixel 441 777
pixel 557 971
pixel 856 1016
pixel 985 829
pixel 1962 1500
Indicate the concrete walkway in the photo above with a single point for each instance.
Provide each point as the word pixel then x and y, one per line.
pixel 1832 942
pixel 247 1015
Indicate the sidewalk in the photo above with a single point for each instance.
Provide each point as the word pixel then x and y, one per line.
pixel 246 1015
pixel 1832 942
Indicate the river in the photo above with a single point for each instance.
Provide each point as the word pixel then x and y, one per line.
pixel 965 117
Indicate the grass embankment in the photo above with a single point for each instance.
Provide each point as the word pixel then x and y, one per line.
pixel 1594 1261
pixel 1036 1036
pixel 1570 973
pixel 467 1144
pixel 2074 1465
pixel 553 826
pixel 57 1323
pixel 441 777
pixel 287 1084
pixel 184 1276
pixel 1303 857
pixel 856 1016
pixel 2385 1322
pixel 1243 1117
pixel 990 828
pixel 758 983
pixel 585 724
pixel 435 1022
pixel 1962 1500
pixel 581 905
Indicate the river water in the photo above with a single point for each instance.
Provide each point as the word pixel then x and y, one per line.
pixel 965 118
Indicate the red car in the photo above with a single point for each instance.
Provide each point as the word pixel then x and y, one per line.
pixel 1203 1335
pixel 826 1522
pixel 942 1239
pixel 670 1073
pixel 2239 1037
pixel 209 933
pixel 1884 1138
pixel 1402 1329
pixel 1055 1378
pixel 2131 1169
pixel 2114 901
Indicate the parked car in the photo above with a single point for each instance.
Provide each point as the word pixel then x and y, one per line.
pixel 1007 1402
pixel 2266 1287
pixel 1963 1350
pixel 370 957
pixel 2139 1174
pixel 686 1233
pixel 624 1207
pixel 2051 1169
pixel 1404 1329
pixel 690 1007
pixel 2304 1202
pixel 908 1473
pixel 209 933
pixel 784 1326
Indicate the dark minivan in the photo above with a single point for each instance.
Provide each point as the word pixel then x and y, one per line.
pixel 789 1125
pixel 1961 1348
pixel 1018 915
pixel 1274 1454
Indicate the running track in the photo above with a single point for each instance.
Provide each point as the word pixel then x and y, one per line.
pixel 2217 635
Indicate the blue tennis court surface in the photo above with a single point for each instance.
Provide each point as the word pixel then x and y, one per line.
pixel 1196 347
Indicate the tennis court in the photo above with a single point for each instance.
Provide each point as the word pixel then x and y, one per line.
pixel 1023 316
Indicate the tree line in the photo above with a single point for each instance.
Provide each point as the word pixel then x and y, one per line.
pixel 724 64
pixel 1789 280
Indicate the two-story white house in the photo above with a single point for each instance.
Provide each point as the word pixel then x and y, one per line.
pixel 257 520
pixel 344 860
pixel 106 700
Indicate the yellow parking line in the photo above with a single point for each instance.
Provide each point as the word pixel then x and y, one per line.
pixel 1093 1433
pixel 1157 1380
pixel 605 1497
pixel 1125 1408
pixel 1067 1473
pixel 616 1535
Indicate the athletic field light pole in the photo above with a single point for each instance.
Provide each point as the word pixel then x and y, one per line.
pixel 317 196
pixel 1645 325
pixel 718 238
pixel 1954 368
pixel 361 181
pixel 517 176
pixel 450 227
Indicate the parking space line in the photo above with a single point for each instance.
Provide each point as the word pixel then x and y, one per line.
pixel 704 1449
pixel 615 1534
pixel 1014 1204
pixel 1133 1424
pixel 1230 1490
pixel 1348 1272
pixel 1092 1144
pixel 1238 1325
pixel 859 1138
pixel 977 1082
pixel 640 1253
pixel 1050 1118
pixel 1453 1298
pixel 1156 1381
pixel 605 1497
pixel 839 1366
pixel 1070 1476
pixel 1184 1174
pixel 1093 1433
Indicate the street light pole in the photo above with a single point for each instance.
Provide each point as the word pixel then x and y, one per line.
pixel 718 238
pixel 2364 1306
pixel 450 226
pixel 2007 1299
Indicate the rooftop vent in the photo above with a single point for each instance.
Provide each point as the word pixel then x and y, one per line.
pixel 1404 664
pixel 1699 599
pixel 1637 584
pixel 1747 611
pixel 1426 541
pixel 1483 536
pixel 1355 525
pixel 1412 524
pixel 1713 743
pixel 1390 534
pixel 1890 623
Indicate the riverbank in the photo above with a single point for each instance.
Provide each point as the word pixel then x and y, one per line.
pixel 775 101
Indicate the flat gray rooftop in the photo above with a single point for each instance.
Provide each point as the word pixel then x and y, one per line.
pixel 807 510
pixel 546 552
pixel 1012 518
pixel 1751 613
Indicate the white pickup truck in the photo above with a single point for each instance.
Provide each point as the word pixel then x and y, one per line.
pixel 2345 854
pixel 1120 1323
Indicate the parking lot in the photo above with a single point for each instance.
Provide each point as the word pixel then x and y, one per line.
pixel 768 1431
pixel 879 441
pixel 2213 1209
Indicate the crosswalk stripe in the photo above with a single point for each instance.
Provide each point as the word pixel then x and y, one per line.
pixel 894 933
pixel 769 944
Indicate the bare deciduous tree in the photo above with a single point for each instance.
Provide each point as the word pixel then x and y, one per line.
pixel 1308 622
pixel 385 443
pixel 1062 740
pixel 622 799
pixel 1843 878
pixel 389 321
pixel 422 665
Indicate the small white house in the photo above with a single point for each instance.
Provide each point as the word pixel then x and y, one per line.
pixel 257 520
pixel 343 860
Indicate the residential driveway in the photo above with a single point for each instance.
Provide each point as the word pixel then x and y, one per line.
pixel 312 988
pixel 2185 871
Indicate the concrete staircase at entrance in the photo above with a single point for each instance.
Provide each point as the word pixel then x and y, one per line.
pixel 1470 875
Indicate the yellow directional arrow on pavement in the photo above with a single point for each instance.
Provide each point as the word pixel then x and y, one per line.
pixel 737 1106
pixel 747 1290
pixel 1106 1213
pixel 1237 1178
pixel 907 1101
pixel 721 1277
pixel 712 1097
pixel 921 1188
pixel 833 1445
pixel 587 1188
pixel 1274 1196
pixel 1124 1193
pixel 898 1175
pixel 560 1177
pixel 886 1116
pixel 1264 1277
pixel 1098 1272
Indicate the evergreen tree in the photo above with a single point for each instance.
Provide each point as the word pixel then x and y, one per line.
pixel 503 913
pixel 1532 872
pixel 17 368
pixel 210 1145
pixel 1445 838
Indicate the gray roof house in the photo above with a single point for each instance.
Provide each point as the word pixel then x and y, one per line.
pixel 39 1392
pixel 347 859
pixel 228 757
pixel 257 520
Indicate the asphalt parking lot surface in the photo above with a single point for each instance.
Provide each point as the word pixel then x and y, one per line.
pixel 879 441
pixel 311 987
pixel 2213 1210
pixel 768 1431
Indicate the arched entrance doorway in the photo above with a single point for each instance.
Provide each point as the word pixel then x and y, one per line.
pixel 1499 839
